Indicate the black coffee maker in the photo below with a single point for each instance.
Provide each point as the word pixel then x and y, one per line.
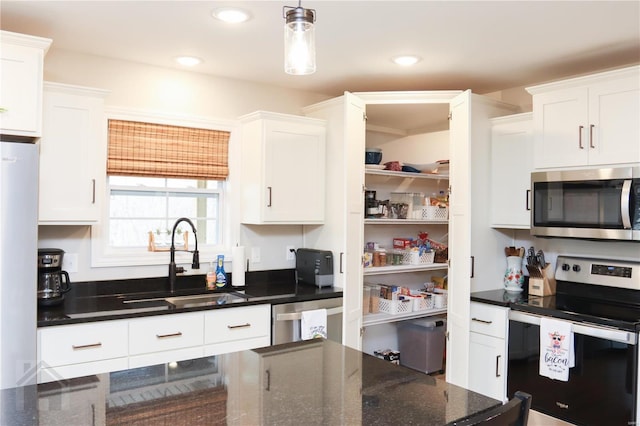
pixel 53 282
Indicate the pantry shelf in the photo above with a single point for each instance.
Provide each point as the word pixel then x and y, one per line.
pixel 404 222
pixel 393 269
pixel 384 318
pixel 390 173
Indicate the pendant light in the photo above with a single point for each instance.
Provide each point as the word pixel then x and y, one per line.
pixel 299 40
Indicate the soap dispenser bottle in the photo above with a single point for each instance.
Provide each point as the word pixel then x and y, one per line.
pixel 211 277
pixel 221 276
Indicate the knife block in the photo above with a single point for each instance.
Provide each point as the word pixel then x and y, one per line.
pixel 540 281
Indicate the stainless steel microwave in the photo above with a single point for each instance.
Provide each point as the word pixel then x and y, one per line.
pixel 591 204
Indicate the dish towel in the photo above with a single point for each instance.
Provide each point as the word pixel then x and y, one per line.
pixel 313 324
pixel 556 349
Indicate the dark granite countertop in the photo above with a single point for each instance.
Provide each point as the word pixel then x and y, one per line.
pixel 312 382
pixel 499 297
pixel 119 299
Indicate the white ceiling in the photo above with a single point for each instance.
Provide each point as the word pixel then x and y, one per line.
pixel 484 46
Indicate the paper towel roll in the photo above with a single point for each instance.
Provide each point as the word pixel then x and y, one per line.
pixel 237 266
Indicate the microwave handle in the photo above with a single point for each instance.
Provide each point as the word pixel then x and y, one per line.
pixel 625 196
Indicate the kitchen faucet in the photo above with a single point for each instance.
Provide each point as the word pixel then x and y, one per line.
pixel 172 263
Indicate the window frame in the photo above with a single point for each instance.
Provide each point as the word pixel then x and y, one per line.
pixel 103 255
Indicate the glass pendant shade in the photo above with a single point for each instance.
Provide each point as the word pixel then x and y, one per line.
pixel 299 42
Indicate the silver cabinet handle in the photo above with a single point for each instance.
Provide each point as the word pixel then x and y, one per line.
pixel 528 197
pixel 231 327
pixel 591 145
pixel 298 315
pixel 580 128
pixel 269 199
pixel 473 266
pixel 482 321
pixel 497 364
pixel 93 191
pixel 267 374
pixel 89 346
pixel 166 336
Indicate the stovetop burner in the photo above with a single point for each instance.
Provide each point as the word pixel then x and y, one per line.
pixel 596 291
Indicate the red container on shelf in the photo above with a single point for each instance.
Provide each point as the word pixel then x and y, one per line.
pixel 402 243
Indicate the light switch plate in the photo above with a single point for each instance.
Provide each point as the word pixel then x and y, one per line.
pixel 291 253
pixel 255 255
pixel 70 262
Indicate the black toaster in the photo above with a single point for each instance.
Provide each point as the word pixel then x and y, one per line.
pixel 314 267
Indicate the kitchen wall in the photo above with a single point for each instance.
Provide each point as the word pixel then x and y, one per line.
pixel 553 247
pixel 167 91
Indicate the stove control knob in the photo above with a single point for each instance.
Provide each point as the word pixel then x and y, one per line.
pixel 576 268
pixel 566 267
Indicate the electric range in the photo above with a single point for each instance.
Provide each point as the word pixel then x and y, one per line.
pixel 597 291
pixel 600 300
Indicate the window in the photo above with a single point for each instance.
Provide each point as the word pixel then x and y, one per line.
pixel 160 168
pixel 139 205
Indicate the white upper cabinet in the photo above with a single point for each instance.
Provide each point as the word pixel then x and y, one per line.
pixel 511 166
pixel 21 65
pixel 283 169
pixel 588 121
pixel 72 168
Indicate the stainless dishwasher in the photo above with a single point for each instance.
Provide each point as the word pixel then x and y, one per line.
pixel 285 319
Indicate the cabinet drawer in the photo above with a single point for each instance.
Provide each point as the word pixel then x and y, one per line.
pixel 166 332
pixel 227 325
pixel 73 344
pixel 488 319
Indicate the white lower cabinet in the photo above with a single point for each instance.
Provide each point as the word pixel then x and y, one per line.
pixel 67 351
pixel 165 338
pixel 76 350
pixel 230 330
pixel 488 350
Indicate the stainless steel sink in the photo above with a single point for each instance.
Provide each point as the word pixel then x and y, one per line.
pixel 141 307
pixel 262 298
pixel 205 300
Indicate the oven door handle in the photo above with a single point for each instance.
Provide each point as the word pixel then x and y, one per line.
pixel 597 331
pixel 294 316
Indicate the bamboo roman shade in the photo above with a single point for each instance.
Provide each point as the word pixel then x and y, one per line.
pixel 160 150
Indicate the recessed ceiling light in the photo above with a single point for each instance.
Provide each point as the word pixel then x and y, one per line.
pixel 231 15
pixel 406 60
pixel 188 61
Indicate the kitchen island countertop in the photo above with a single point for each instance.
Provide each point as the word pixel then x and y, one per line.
pixel 311 382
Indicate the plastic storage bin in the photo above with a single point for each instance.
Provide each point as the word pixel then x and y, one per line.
pixel 422 344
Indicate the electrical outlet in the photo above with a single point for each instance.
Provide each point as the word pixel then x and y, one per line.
pixel 291 253
pixel 255 255
pixel 70 262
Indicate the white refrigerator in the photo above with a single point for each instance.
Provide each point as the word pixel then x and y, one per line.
pixel 18 263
